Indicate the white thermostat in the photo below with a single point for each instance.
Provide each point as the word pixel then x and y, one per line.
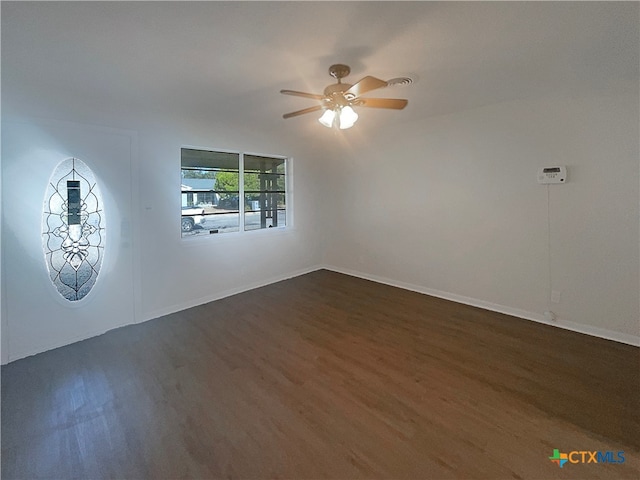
pixel 548 175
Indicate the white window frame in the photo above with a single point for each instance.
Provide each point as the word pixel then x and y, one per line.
pixel 288 167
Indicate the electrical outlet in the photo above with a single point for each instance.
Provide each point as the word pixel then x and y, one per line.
pixel 556 296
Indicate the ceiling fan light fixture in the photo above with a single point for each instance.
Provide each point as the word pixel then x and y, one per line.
pixel 337 100
pixel 347 117
pixel 327 118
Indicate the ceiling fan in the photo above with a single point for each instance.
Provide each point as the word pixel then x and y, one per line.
pixel 339 98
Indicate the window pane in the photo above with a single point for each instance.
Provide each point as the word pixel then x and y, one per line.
pixel 255 163
pixel 267 201
pixel 209 159
pixel 254 220
pixel 268 182
pixel 210 192
pixel 264 192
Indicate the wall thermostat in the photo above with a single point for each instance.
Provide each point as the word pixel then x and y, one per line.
pixel 548 175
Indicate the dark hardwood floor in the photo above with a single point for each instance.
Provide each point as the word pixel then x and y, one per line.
pixel 324 376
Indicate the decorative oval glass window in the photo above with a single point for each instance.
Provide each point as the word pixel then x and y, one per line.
pixel 73 229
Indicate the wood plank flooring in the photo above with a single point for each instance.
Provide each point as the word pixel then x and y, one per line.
pixel 324 376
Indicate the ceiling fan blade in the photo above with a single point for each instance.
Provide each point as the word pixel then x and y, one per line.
pixel 302 112
pixel 395 103
pixel 365 85
pixel 302 94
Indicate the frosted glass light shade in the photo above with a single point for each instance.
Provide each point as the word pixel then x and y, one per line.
pixel 347 117
pixel 327 118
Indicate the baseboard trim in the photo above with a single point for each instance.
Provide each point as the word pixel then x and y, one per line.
pixel 226 293
pixel 474 302
pixel 12 357
pixel 514 312
pixel 41 348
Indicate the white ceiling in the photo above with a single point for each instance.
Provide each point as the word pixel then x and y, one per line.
pixel 227 61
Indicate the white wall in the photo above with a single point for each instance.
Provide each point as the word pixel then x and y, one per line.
pixel 149 269
pixel 180 272
pixel 451 206
pixel 36 317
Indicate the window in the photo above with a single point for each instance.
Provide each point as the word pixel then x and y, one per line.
pixel 214 182
pixel 73 229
